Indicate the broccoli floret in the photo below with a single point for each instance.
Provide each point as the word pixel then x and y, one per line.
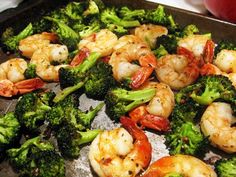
pixel 12 42
pixel 66 34
pixel 30 71
pixel 70 140
pixel 31 109
pixel 226 167
pixel 99 81
pixel 41 25
pixel 120 101
pixel 161 51
pixel 9 32
pixel 128 14
pixel 157 16
pixel 9 130
pixel 73 78
pixel 186 112
pixel 213 88
pixel 37 157
pixel 190 30
pixel 74 10
pixel 92 9
pixel 110 18
pixel 224 45
pixel 169 42
pixel 186 139
pixel 67 112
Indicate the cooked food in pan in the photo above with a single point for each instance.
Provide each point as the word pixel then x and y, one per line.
pixel 144 70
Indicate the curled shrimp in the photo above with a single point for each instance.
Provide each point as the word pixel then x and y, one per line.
pixel 101 42
pixel 12 80
pixel 226 61
pixel 216 124
pixel 122 58
pixel 178 71
pixel 43 58
pixel 184 165
pixel 155 114
pixel 195 43
pixel 120 152
pixel 32 43
pixel 149 33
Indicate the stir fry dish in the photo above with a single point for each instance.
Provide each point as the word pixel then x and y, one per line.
pixel 146 72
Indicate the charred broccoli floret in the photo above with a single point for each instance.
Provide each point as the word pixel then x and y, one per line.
pixel 120 101
pixel 185 139
pixel 99 81
pixel 9 130
pixel 37 157
pixel 30 71
pixel 31 109
pixel 226 167
pixel 208 89
pixel 70 140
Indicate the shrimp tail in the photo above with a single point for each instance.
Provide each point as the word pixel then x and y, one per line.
pixel 141 76
pixel 142 147
pixel 80 57
pixel 209 69
pixel 208 53
pixel 9 89
pixel 141 116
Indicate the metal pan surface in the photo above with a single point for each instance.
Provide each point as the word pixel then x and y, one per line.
pixel 19 17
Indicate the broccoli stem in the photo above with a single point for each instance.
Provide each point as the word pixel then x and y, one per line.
pixel 67 91
pixel 128 24
pixel 88 136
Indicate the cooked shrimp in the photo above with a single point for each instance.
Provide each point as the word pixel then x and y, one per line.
pixel 30 44
pixel 177 71
pixel 184 165
pixel 12 80
pixel 126 39
pixel 216 124
pixel 149 33
pixel 43 58
pixel 122 58
pixel 120 152
pixel 226 61
pixel 155 114
pixel 194 43
pixel 101 42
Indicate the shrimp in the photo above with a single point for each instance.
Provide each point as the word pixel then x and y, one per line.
pixel 226 61
pixel 43 58
pixel 216 124
pixel 30 44
pixel 120 152
pixel 194 43
pixel 126 39
pixel 155 114
pixel 184 165
pixel 177 71
pixel 149 33
pixel 101 42
pixel 122 58
pixel 12 80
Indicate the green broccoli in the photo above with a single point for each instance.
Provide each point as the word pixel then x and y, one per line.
pixel 169 42
pixel 226 167
pixel 128 14
pixel 9 130
pixel 41 25
pixel 99 81
pixel 74 10
pixel 92 9
pixel 224 45
pixel 73 78
pixel 159 52
pixel 185 139
pixel 12 42
pixel 66 34
pixel 157 16
pixel 30 71
pixel 67 112
pixel 208 89
pixel 70 140
pixel 120 101
pixel 110 18
pixel 31 109
pixel 190 30
pixel 37 157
